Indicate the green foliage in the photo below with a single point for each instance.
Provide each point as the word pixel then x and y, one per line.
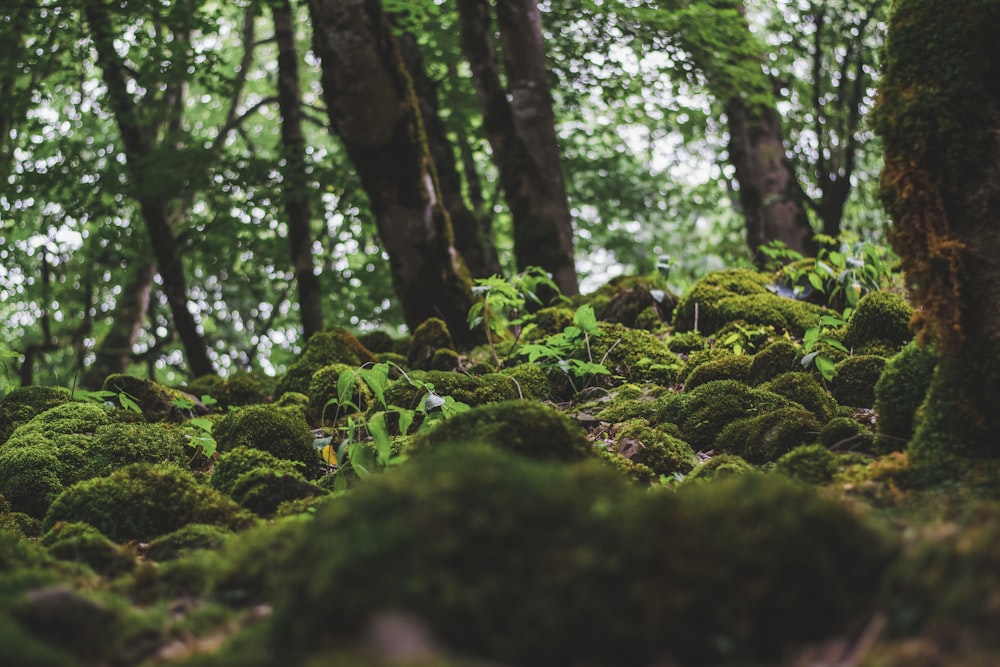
pixel 280 431
pixel 818 334
pixel 569 352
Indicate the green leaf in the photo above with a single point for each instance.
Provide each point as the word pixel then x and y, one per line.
pixel 825 365
pixel 833 342
pixel 810 337
pixel 377 379
pixel 128 402
pixel 380 435
pixel 586 319
pixel 345 386
pixel 206 442
pixel 203 423
pixel 405 420
pixel 208 400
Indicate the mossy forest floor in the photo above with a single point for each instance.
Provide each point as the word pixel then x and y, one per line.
pixel 632 479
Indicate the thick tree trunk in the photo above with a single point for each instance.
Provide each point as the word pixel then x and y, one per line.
pixel 939 117
pixel 373 108
pixel 138 141
pixel 480 258
pixel 295 181
pixel 115 351
pixel 520 125
pixel 771 200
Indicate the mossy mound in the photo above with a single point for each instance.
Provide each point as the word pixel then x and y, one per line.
pixel 157 402
pixel 527 428
pixel 899 392
pixel 855 381
pixel 765 437
pixel 324 388
pixel 280 431
pixel 322 349
pixel 523 381
pixel 233 391
pixel 696 310
pixel 188 538
pixel 142 501
pixel 117 445
pixel 778 357
pixel 81 542
pixel 627 299
pixel 720 466
pixel 235 463
pixel 805 390
pixel 725 366
pixel 262 490
pixel 30 478
pixel 686 342
pixel 428 338
pixel 882 318
pixel 754 566
pixel 23 403
pixel 810 464
pixel 633 354
pixel 844 433
pixel 656 448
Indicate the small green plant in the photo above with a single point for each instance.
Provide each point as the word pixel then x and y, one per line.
pixel 820 334
pixel 365 441
pixel 744 336
pixel 123 399
pixel 562 351
pixel 7 356
pixel 199 434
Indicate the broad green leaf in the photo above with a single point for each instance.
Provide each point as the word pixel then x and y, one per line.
pixel 129 403
pixel 825 365
pixel 203 423
pixel 833 342
pixel 377 379
pixel 380 435
pixel 345 386
pixel 586 319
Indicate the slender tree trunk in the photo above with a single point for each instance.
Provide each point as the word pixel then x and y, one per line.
pixel 373 108
pixel 520 125
pixel 481 262
pixel 138 141
pixel 115 351
pixel 295 181
pixel 771 199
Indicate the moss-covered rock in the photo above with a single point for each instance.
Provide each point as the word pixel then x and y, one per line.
pixel 779 356
pixel 724 366
pixel 280 431
pixel 548 321
pixel 23 403
pixel 720 466
pixel 235 463
pixel 82 543
pixel 846 434
pixel 323 392
pixel 656 448
pixel 324 348
pixel 157 402
pixel 686 342
pixel 428 338
pixel 697 309
pixel 117 445
pixel 188 538
pixel 880 317
pixel 262 490
pixel 633 354
pixel 762 564
pixel 624 299
pixel 30 478
pixel 238 389
pixel 527 428
pixel 899 392
pixel 143 501
pixel 510 384
pixel 769 310
pixel 765 437
pixel 811 464
pixel 805 390
pixel 854 383
pixel 378 341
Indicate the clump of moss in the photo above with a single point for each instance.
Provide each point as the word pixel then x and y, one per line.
pixel 262 490
pixel 527 428
pixel 633 354
pixel 769 310
pixel 188 538
pixel 30 478
pixel 880 317
pixel 805 390
pixel 725 366
pixel 854 383
pixel 506 385
pixel 324 348
pixel 530 380
pixel 761 563
pixel 720 466
pixel 899 392
pixel 116 445
pixel 657 449
pixel 779 356
pixel 697 310
pixel 82 543
pixel 428 338
pixel 445 360
pixel 142 501
pixel 280 431
pixel 238 389
pixel 324 386
pixel 23 403
pixel 378 341
pixel 624 299
pixel 699 357
pixel 846 433
pixel 548 321
pixel 686 342
pixel 157 402
pixel 811 464
pixel 765 437
pixel 235 463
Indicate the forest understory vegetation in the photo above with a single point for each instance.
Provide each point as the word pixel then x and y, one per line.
pixel 628 477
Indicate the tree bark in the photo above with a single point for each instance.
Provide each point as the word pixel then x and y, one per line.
pixel 139 140
pixel 771 199
pixel 372 107
pixel 479 257
pixel 295 180
pixel 520 125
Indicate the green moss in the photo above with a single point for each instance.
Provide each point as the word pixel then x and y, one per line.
pixel 323 388
pixel 469 389
pixel 703 412
pixel 698 358
pixel 662 452
pixel 158 403
pixel 295 400
pixel 769 310
pixel 531 381
pixel 29 478
pixel 377 341
pixel 238 389
pixel 262 490
pixel 811 464
pixel 527 428
pixel 726 366
pixel 324 348
pixel 880 317
pixel 854 383
pixel 445 360
pixel 23 403
pixel 765 437
pixel 845 433
pixel 625 299
pixel 548 322
pixel 757 562
pixel 899 392
pixel 82 543
pixel 633 354
pixel 779 356
pixel 142 501
pixel 805 390
pixel 686 342
pixel 116 445
pixel 186 539
pixel 697 310
pixel 66 423
pixel 720 466
pixel 235 463
pixel 428 338
pixel 280 431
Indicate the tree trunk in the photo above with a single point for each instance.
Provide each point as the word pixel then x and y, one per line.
pixel 295 181
pixel 520 125
pixel 115 351
pixel 482 262
pixel 139 140
pixel 770 197
pixel 372 106
pixel 939 117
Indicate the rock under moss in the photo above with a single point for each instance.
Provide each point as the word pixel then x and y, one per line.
pixel 854 383
pixel 779 356
pixel 324 348
pixel 21 404
pixel 83 543
pixel 187 538
pixel 428 338
pixel 697 309
pixel 880 317
pixel 811 464
pixel 116 445
pixel 157 402
pixel 662 452
pixel 720 466
pixel 805 390
pixel 765 437
pixel 280 431
pixel 725 366
pixel 846 434
pixel 262 490
pixel 899 392
pixel 235 463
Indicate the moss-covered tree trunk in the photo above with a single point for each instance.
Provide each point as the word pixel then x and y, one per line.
pixel 520 125
pixel 295 188
pixel 372 107
pixel 939 117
